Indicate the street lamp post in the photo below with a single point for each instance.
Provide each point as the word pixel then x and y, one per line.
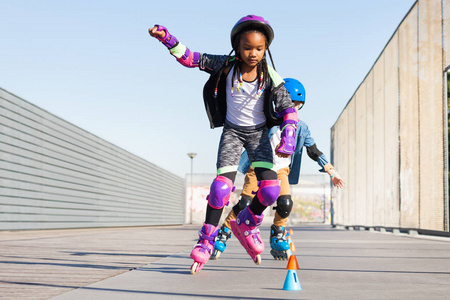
pixel 192 155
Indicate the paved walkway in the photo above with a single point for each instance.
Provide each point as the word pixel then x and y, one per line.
pixel 153 263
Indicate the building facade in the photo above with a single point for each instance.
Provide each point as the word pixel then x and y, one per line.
pixel 390 142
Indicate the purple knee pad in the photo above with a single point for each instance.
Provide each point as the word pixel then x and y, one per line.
pixel 220 192
pixel 168 40
pixel 268 192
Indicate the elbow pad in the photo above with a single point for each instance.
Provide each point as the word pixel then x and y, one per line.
pixel 288 131
pixel 314 153
pixel 185 56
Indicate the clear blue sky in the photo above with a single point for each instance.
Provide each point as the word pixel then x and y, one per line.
pixel 93 64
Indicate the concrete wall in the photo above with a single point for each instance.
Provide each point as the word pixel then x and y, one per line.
pixel 389 142
pixel 56 175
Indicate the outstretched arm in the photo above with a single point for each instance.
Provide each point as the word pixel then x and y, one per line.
pixel 327 167
pixel 315 154
pixel 182 53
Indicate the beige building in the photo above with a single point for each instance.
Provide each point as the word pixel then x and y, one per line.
pixel 390 142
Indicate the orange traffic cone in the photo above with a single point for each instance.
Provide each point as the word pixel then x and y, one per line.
pixel 292 283
pixel 293 263
pixel 288 235
pixel 292 246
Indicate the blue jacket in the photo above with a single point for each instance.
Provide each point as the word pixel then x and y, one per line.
pixel 303 139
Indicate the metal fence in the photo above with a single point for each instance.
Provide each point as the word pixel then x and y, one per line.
pixel 56 175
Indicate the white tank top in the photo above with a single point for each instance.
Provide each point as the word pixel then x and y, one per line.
pixel 244 110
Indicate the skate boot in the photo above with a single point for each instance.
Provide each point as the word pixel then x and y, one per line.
pixel 280 246
pixel 245 228
pixel 221 242
pixel 204 247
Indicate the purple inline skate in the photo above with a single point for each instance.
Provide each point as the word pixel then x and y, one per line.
pixel 245 228
pixel 203 249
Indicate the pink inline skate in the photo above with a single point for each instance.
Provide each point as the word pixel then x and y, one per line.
pixel 203 249
pixel 245 228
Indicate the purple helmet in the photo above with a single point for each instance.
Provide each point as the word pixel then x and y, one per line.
pixel 252 20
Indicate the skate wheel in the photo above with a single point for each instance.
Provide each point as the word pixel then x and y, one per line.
pixel 280 255
pixel 257 259
pixel 196 267
pixel 215 254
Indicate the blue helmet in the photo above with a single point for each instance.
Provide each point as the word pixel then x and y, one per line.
pixel 295 89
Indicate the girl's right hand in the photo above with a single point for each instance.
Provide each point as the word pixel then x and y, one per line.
pixel 155 33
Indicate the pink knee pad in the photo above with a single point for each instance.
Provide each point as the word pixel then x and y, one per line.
pixel 220 192
pixel 268 192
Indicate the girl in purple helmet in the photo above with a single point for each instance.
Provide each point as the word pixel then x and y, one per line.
pixel 246 96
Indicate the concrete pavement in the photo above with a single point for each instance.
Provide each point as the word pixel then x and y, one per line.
pixel 153 263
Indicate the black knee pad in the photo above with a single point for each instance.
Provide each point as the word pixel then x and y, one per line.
pixel 284 206
pixel 243 203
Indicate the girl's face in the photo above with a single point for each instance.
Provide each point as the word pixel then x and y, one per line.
pixel 252 47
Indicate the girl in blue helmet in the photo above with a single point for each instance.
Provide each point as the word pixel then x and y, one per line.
pixel 245 96
pixel 288 171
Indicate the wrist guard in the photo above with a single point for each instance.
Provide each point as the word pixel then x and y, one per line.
pixel 168 40
pixel 182 53
pixel 288 130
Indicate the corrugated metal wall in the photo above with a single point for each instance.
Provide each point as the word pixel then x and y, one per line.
pixel 56 175
pixel 389 143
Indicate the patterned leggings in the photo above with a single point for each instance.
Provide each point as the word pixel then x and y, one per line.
pixel 257 144
pixel 259 150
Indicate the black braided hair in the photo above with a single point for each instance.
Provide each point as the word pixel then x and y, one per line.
pixel 221 70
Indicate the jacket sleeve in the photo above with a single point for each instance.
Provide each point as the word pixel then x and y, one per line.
pixel 296 157
pixel 309 141
pixel 313 152
pixel 211 63
pixel 282 99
